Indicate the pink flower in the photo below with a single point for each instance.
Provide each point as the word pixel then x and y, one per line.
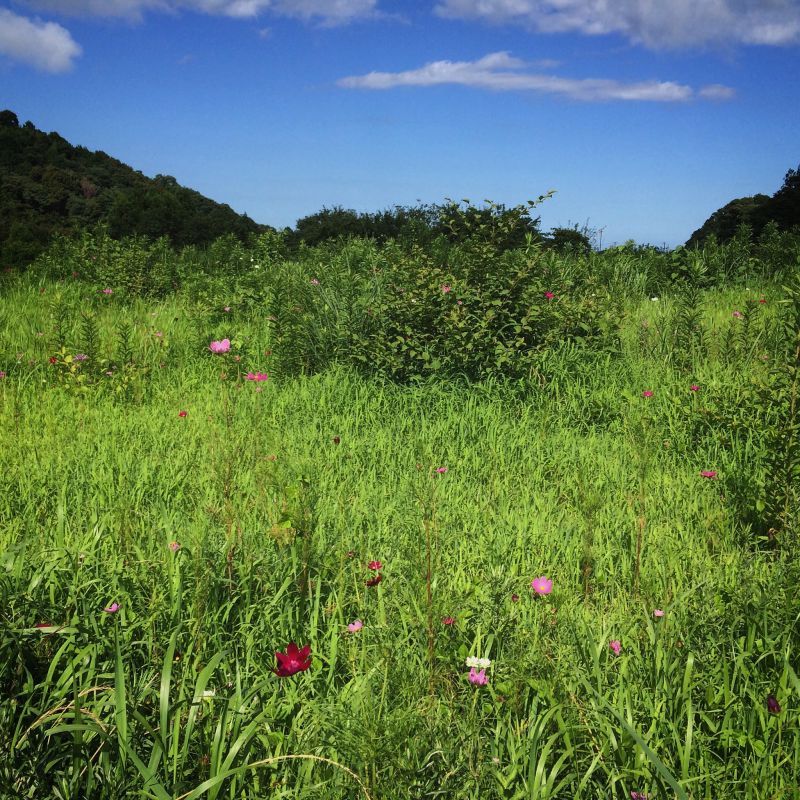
pixel 478 677
pixel 542 585
pixel 257 376
pixel 549 295
pixel 174 546
pixel 515 598
pixel 2 374
pixel 182 413
pixel 738 314
pixel 375 565
pixel 355 626
pixel 638 796
pixel 694 388
pixel 441 470
pixel 294 660
pixel 226 309
pixel 108 291
pixel 446 287
pixel 708 473
pixel 314 282
pixel 448 620
pixel 112 609
pixel 220 347
pixel 647 393
pixel 658 613
pixel 615 645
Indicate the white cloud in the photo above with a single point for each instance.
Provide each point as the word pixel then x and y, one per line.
pixel 326 11
pixel 44 45
pixel 716 91
pixel 653 23
pixel 502 72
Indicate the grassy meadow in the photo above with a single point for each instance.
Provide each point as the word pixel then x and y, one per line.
pixel 167 525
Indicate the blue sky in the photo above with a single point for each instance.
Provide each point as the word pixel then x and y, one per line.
pixel 644 115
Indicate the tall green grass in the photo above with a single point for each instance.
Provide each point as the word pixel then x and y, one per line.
pixel 279 494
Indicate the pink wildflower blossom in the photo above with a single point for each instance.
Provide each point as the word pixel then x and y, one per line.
pixel 615 645
pixel 355 626
pixel 478 677
pixel 549 295
pixel 220 347
pixel 257 376
pixel 658 613
pixel 709 473
pixel 647 393
pixel 112 609
pixel 542 585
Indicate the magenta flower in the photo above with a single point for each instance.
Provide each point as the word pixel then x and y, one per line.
pixel 647 393
pixel 2 374
pixel 615 645
pixel 375 565
pixel 773 706
pixel 738 314
pixel 174 546
pixel 257 376
pixel 694 387
pixel 441 470
pixel 549 295
pixel 80 357
pixel 355 626
pixel 708 473
pixel 220 347
pixel 108 291
pixel 294 660
pixel 182 413
pixel 448 620
pixel 542 585
pixel 478 677
pixel 446 287
pixel 112 609
pixel 638 796
pixel 658 613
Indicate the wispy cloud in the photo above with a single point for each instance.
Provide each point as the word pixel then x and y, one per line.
pixel 329 12
pixel 653 23
pixel 44 45
pixel 502 72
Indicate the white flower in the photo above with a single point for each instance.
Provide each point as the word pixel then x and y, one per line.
pixel 478 663
pixel 208 694
pixel 654 299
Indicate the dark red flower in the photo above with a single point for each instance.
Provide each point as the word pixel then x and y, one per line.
pixel 53 360
pixel 375 581
pixel 181 413
pixel 515 598
pixel 773 706
pixel 294 660
pixel 336 440
pixel 448 620
pixel 375 565
pixel 351 553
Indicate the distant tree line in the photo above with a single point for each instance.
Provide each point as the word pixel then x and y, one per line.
pixel 48 186
pixel 782 211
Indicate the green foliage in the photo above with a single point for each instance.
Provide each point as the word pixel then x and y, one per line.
pixel 49 187
pixel 280 493
pixel 782 211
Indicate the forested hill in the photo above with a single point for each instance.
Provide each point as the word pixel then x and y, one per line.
pixel 782 210
pixel 49 186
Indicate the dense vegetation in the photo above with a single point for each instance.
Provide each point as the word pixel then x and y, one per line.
pixel 388 451
pixel 49 186
pixel 781 212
